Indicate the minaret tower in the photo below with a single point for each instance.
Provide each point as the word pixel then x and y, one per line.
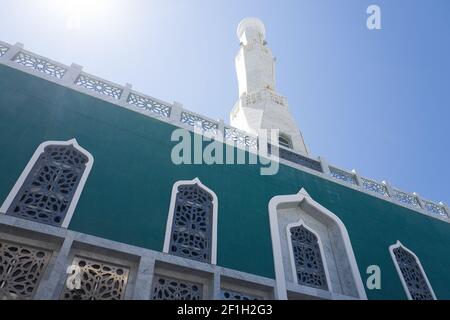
pixel 259 105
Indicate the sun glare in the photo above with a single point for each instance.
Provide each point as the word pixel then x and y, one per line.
pixel 86 7
pixel 77 11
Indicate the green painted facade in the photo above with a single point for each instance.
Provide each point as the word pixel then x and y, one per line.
pixel 126 197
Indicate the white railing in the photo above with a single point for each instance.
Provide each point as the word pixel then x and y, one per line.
pixel 75 78
pixel 3 49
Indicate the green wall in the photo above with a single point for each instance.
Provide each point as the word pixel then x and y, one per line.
pixel 126 197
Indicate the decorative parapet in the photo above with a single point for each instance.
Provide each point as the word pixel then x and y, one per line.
pixel 149 104
pixel 374 186
pixel 343 175
pixel 253 98
pixel 296 158
pixel 199 122
pixel 241 138
pixel 73 77
pixel 406 198
pixel 435 209
pixel 3 50
pixel 101 87
pixel 40 64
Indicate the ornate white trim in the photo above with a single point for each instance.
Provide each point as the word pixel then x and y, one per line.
pixel 303 196
pixel 12 194
pixel 291 251
pixel 398 244
pixel 172 211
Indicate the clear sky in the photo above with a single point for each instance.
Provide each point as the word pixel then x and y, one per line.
pixel 375 101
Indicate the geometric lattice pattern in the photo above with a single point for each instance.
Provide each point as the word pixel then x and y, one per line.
pixel 412 275
pixel 99 281
pixel 253 98
pixel 343 175
pixel 47 192
pixel 98 86
pixel 40 65
pixel 241 139
pixel 192 224
pixel 21 269
pixel 234 295
pixel 196 121
pixel 149 105
pixel 374 186
pixel 285 141
pixel 297 158
pixel 405 198
pixel 165 288
pixel 3 50
pixel 308 259
pixel 435 209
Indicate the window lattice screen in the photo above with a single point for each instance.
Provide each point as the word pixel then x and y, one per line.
pixel 99 281
pixel 226 294
pixel 165 288
pixel 308 259
pixel 412 274
pixel 192 224
pixel 47 192
pixel 21 269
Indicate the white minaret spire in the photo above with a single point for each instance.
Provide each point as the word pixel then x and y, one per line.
pixel 259 105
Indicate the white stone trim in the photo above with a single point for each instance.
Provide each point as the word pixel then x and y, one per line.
pixel 291 252
pixel 172 212
pixel 12 194
pixel 64 240
pixel 303 196
pixel 398 244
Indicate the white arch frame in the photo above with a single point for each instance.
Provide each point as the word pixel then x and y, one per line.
pixel 303 196
pixel 398 244
pixel 40 149
pixel 170 216
pixel 291 251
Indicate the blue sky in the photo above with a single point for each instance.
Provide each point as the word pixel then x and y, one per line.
pixel 376 101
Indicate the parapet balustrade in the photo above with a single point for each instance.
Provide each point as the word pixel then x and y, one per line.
pixel 3 50
pixel 73 77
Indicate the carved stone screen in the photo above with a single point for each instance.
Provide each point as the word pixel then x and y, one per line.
pixel 307 257
pixel 47 191
pixel 412 275
pixel 234 295
pixel 165 288
pixel 99 281
pixel 21 269
pixel 192 224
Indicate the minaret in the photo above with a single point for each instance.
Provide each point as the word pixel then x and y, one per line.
pixel 259 105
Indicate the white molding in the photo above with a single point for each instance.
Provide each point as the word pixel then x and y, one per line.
pixel 70 211
pixel 215 204
pixel 291 252
pixel 398 244
pixel 302 196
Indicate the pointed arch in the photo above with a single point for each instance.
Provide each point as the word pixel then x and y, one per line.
pixel 412 275
pixel 305 245
pixel 188 237
pixel 50 186
pixel 278 207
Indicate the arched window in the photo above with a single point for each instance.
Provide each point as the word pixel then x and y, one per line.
pixel 307 258
pixel 50 185
pixel 191 226
pixel 285 141
pixel 312 252
pixel 411 273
